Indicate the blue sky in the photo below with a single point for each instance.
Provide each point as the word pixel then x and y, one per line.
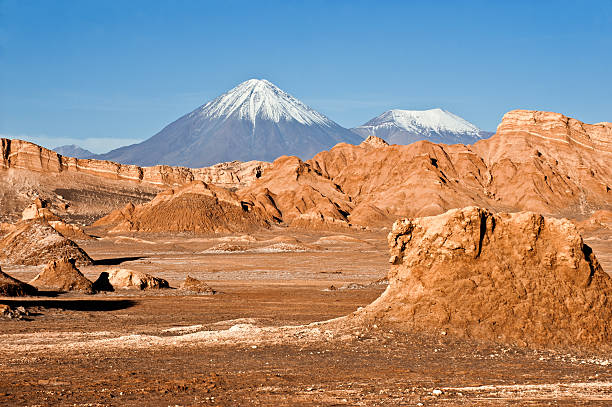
pixel 107 73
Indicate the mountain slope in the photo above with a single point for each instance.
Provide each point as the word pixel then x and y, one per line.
pixel 254 121
pixel 72 150
pixel 408 126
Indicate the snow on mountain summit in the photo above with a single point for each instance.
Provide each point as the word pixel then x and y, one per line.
pixel 407 126
pixel 435 119
pixel 253 121
pixel 258 98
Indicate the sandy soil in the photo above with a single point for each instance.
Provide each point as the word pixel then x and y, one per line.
pixel 258 342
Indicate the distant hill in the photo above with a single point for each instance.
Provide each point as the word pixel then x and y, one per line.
pixel 72 150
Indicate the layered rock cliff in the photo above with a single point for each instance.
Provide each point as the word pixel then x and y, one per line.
pixel 21 154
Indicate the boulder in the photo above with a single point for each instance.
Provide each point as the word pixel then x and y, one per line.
pixel 124 278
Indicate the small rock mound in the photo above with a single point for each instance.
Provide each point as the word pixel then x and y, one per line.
pixel 195 285
pixel 35 242
pixel 124 278
pixel 11 287
pixel 226 248
pixel 513 278
pixel 62 275
pixel 39 209
pixel 195 207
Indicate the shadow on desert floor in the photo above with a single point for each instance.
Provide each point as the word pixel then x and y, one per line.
pixel 116 260
pixel 73 304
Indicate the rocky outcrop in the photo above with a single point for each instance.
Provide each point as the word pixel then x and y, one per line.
pixel 514 278
pixel 35 242
pixel 19 154
pixel 62 275
pixel 40 210
pixel 295 192
pixel 374 142
pixel 11 287
pixel 196 207
pixel 195 285
pixel 124 278
pixel 550 163
pixel 537 161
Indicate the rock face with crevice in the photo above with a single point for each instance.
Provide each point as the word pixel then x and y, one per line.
pixel 516 278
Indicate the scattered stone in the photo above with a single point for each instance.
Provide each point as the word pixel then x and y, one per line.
pixel 13 313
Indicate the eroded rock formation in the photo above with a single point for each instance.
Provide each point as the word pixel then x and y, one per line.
pixel 196 207
pixel 34 242
pixel 513 278
pixel 62 275
pixel 19 154
pixel 537 161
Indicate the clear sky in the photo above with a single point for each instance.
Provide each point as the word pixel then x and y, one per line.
pixel 106 73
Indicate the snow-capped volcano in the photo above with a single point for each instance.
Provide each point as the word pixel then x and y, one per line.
pixel 253 121
pixel 407 126
pixel 258 98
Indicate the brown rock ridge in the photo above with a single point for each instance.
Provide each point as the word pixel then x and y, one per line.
pixel 196 207
pixel 19 154
pixel 536 161
pixel 34 242
pixel 11 287
pixel 513 278
pixel 62 275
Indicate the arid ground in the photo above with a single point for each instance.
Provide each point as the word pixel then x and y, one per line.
pixel 251 342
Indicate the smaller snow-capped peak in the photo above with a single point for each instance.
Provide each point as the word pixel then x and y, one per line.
pixel 258 98
pixel 437 120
